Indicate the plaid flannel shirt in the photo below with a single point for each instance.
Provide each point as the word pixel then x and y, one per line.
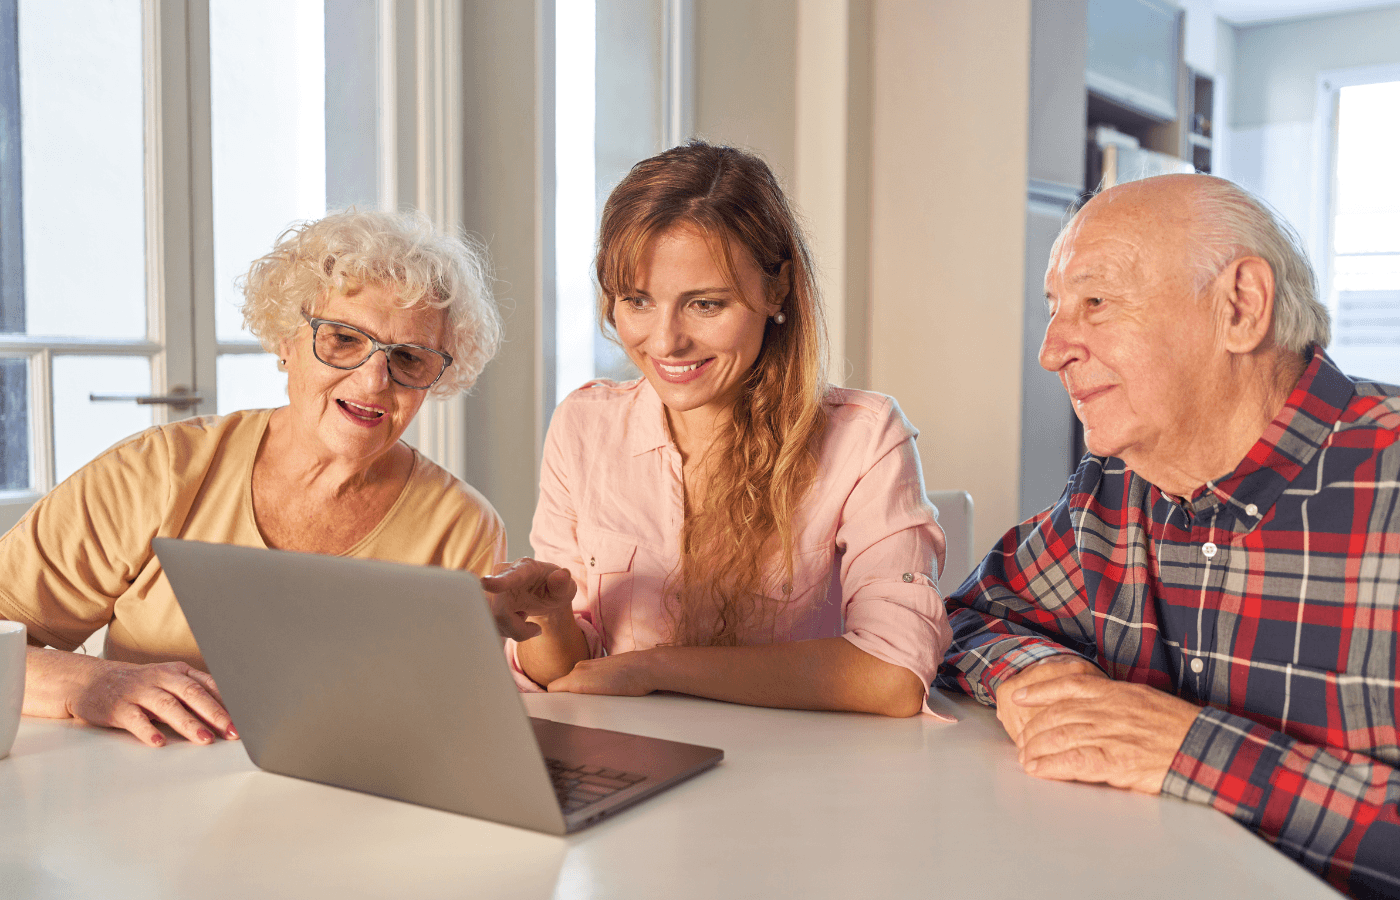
pixel 1271 597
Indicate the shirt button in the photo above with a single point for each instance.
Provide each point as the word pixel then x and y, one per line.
pixel 908 577
pixel 1251 510
pixel 592 561
pixel 1198 665
pixel 1209 549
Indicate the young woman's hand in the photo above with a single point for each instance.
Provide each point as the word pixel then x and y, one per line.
pixel 622 675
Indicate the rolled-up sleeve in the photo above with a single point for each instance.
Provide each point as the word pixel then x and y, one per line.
pixel 891 551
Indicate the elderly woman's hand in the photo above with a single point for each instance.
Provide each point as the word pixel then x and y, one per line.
pixel 528 588
pixel 126 695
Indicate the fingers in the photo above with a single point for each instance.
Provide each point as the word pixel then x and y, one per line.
pixel 131 718
pixel 563 685
pixel 524 574
pixel 202 697
pixel 135 697
pixel 562 586
pixel 1087 764
pixel 515 626
pixel 1013 712
pixel 163 705
pixel 1064 687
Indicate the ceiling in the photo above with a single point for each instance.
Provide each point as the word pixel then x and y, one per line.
pixel 1250 12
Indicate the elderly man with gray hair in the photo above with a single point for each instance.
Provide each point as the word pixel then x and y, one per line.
pixel 1211 609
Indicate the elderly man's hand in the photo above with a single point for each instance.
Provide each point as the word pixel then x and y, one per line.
pixel 1090 728
pixel 525 589
pixel 126 695
pixel 1012 715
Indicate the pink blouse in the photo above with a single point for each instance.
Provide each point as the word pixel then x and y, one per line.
pixel 867 545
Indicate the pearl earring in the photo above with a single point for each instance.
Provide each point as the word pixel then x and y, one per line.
pixel 779 319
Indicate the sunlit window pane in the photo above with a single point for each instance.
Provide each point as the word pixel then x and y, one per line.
pixel 83 428
pixel 1368 181
pixel 82 137
pixel 268 94
pixel 250 381
pixel 575 209
pixel 1365 266
pixel 608 116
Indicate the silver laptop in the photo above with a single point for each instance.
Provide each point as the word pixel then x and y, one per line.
pixel 389 679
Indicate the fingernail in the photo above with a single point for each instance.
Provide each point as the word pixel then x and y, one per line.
pixel 232 735
pixel 158 740
pixel 205 736
pixel 1032 766
pixel 1019 695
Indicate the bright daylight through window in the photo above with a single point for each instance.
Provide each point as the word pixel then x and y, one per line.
pixel 1364 290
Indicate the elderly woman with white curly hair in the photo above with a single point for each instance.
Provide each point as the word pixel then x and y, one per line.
pixel 327 473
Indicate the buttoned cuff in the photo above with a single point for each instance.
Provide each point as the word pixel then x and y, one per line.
pixel 1006 658
pixel 1225 761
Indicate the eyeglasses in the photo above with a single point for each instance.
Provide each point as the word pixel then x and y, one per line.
pixel 342 346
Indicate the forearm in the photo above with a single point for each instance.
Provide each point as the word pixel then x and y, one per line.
pixel 555 651
pixel 1335 811
pixel 52 678
pixel 826 673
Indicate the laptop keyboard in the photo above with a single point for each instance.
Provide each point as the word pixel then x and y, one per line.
pixel 578 786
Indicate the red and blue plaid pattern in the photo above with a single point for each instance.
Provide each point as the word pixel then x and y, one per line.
pixel 1271 597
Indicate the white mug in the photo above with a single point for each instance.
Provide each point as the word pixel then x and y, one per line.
pixel 12 652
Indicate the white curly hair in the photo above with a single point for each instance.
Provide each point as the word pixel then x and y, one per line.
pixel 421 264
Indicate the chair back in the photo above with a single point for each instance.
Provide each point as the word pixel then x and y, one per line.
pixel 954 510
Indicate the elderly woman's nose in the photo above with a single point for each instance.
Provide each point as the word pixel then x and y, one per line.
pixel 375 370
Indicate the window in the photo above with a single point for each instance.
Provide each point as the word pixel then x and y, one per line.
pixel 74 314
pixel 1359 267
pixel 131 199
pixel 621 94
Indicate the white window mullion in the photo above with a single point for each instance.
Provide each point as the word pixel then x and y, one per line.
pixel 41 460
pixel 440 424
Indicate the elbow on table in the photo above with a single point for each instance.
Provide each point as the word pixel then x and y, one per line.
pixel 897 693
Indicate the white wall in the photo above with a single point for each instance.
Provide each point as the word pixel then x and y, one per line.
pixel 502 172
pixel 928 192
pixel 947 236
pixel 1272 147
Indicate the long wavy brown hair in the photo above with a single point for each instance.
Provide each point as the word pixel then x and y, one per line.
pixel 737 547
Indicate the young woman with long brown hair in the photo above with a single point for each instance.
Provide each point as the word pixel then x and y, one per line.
pixel 734 526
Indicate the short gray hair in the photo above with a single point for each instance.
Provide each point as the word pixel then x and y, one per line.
pixel 1231 223
pixel 405 252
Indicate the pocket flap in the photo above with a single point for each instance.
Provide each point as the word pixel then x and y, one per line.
pixel 608 556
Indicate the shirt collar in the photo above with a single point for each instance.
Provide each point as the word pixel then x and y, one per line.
pixel 648 431
pixel 1288 445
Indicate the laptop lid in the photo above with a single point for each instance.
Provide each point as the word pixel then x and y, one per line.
pixel 380 677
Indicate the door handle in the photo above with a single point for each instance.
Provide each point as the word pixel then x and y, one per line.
pixel 180 397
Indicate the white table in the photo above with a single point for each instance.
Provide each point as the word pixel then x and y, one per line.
pixel 806 805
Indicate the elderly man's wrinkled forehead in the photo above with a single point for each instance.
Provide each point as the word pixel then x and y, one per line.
pixel 1132 225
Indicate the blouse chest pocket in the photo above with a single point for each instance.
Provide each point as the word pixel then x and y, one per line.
pixel 607 562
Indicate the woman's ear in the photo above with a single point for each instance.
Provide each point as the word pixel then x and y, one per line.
pixel 779 288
